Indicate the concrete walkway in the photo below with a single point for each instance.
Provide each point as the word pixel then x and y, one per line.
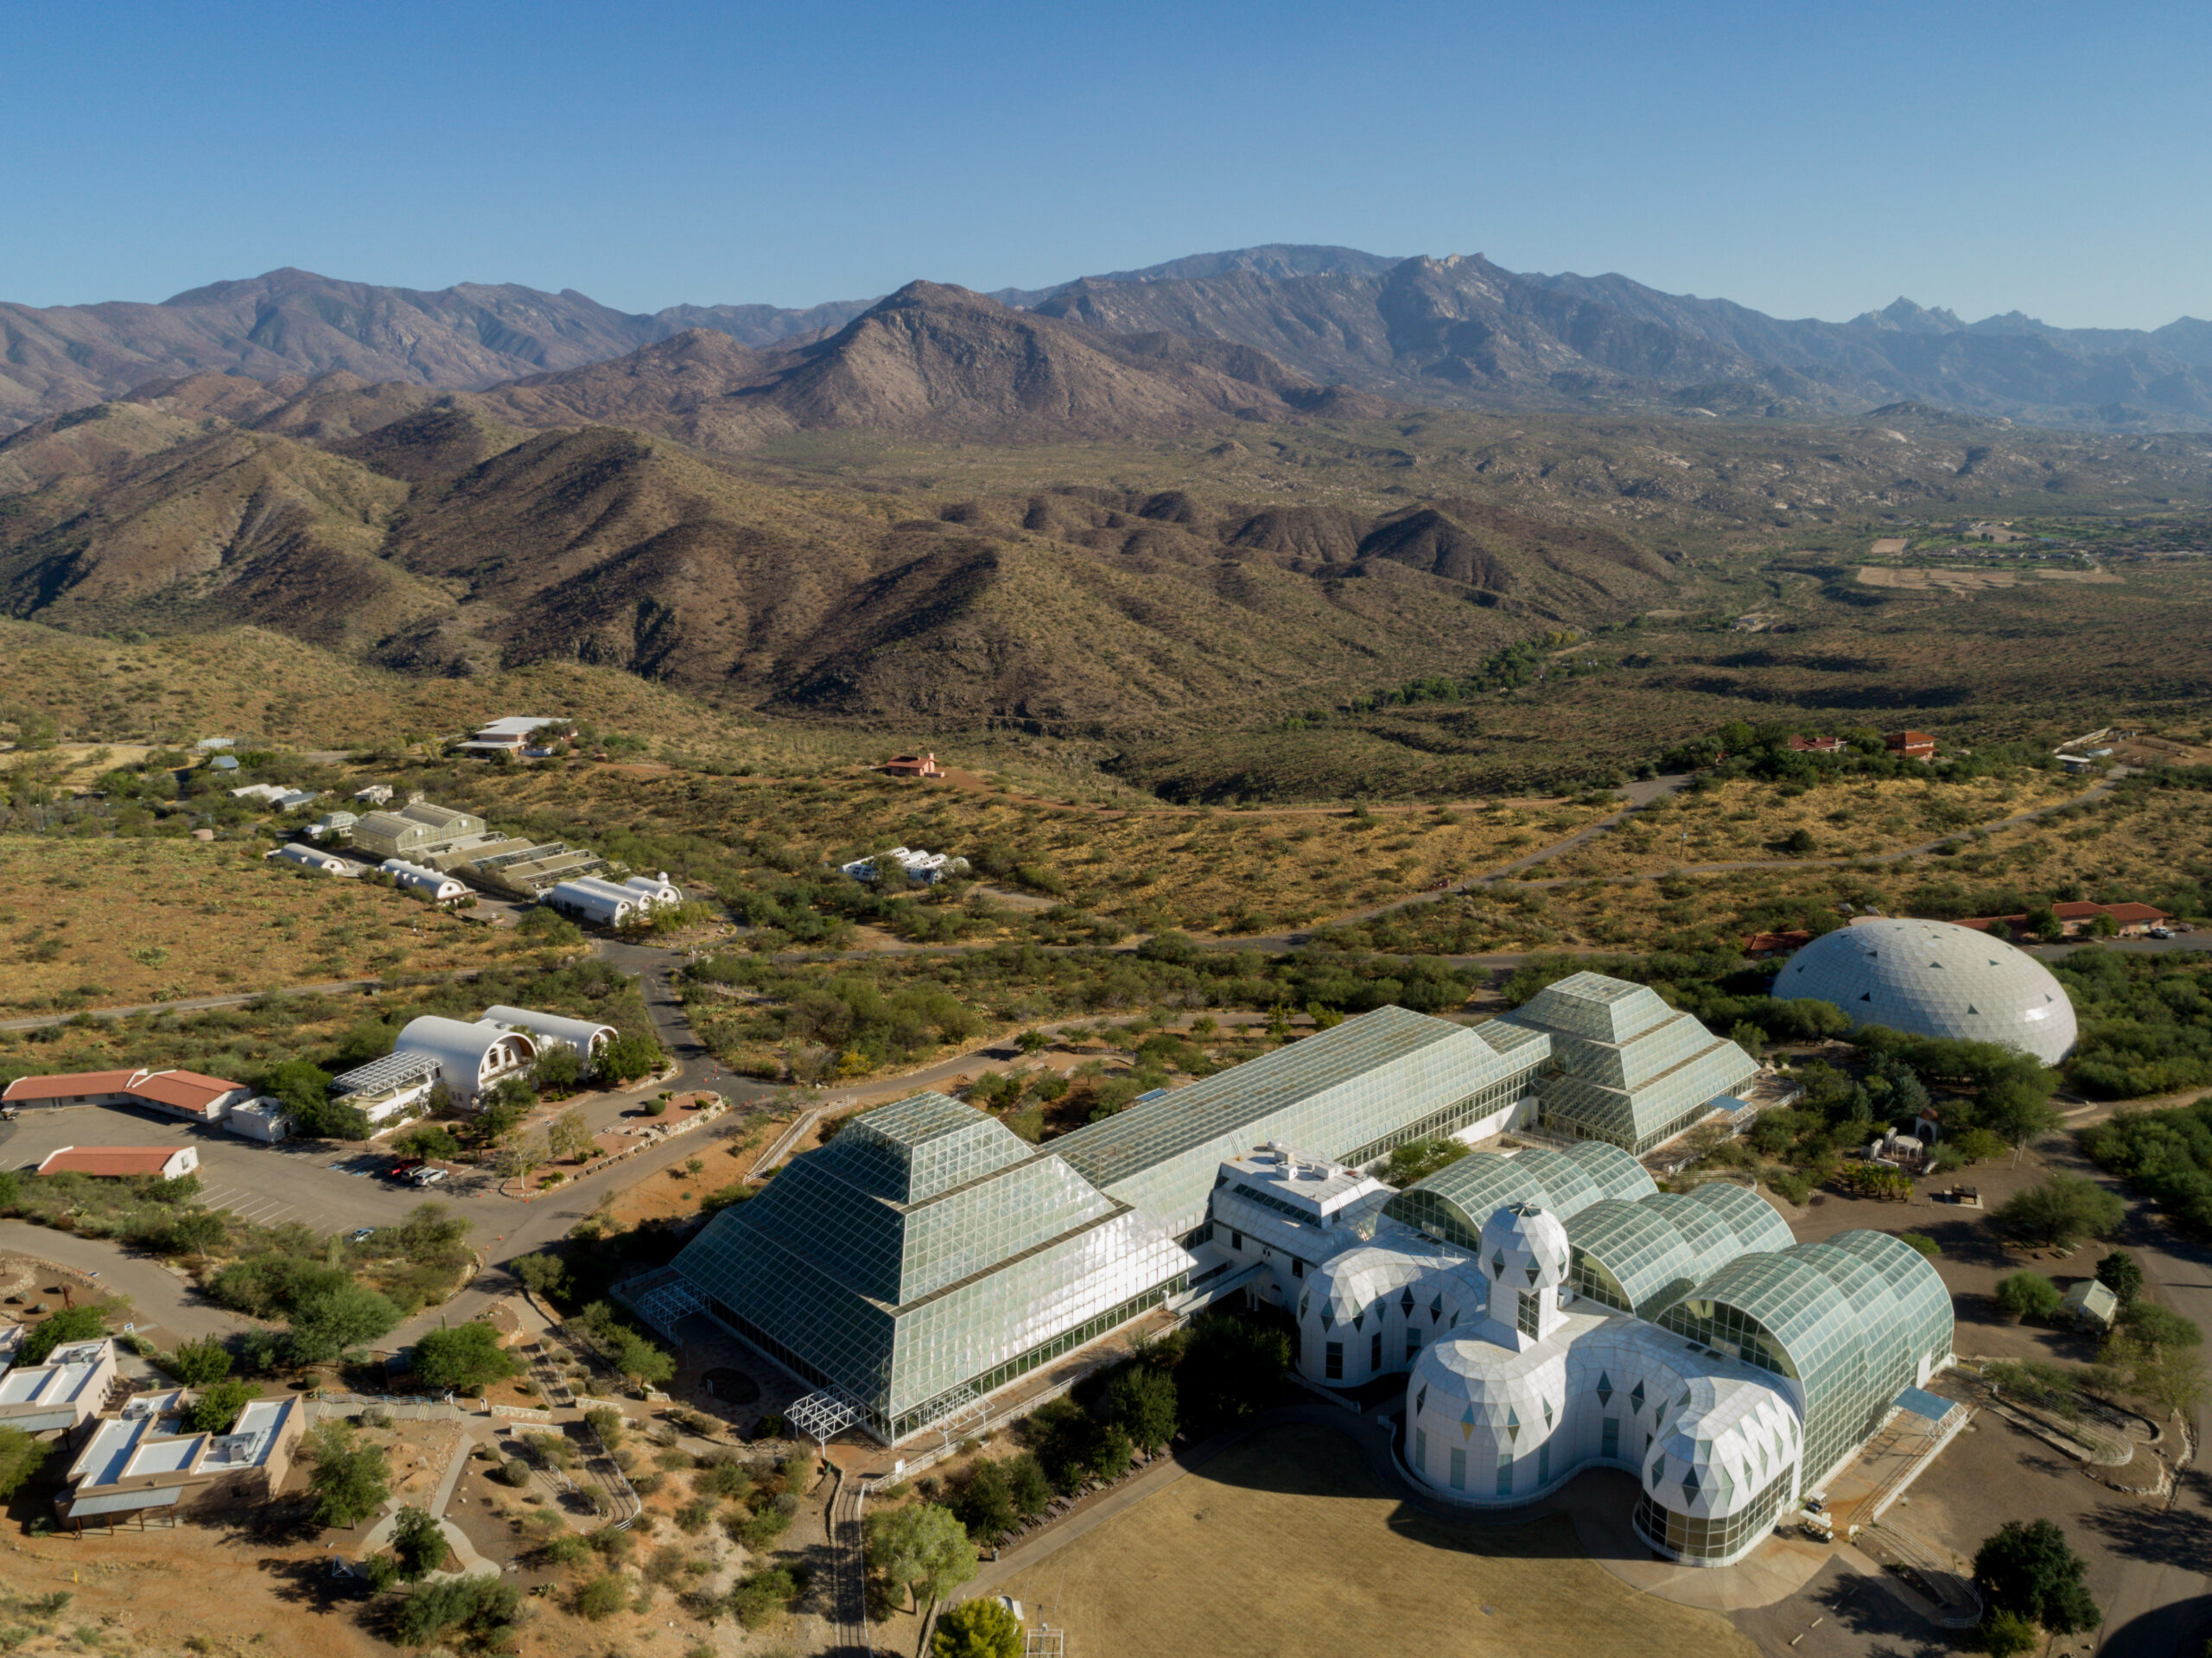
pixel 471 1562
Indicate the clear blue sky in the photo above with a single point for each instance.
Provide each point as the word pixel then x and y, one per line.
pixel 2051 158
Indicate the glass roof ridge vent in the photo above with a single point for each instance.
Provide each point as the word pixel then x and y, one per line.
pixel 1595 1007
pixel 928 1143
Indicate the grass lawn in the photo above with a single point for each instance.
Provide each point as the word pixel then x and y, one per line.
pixel 1285 1544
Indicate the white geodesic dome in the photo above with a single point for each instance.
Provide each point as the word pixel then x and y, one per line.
pixel 1933 978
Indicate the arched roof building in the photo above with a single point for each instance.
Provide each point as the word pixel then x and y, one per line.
pixel 1935 978
pixel 470 1056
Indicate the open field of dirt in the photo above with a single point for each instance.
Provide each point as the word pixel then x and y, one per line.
pixel 1285 1544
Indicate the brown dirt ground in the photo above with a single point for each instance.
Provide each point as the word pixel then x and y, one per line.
pixel 160 920
pixel 148 1593
pixel 1330 1562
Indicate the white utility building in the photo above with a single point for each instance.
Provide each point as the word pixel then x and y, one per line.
pixel 611 904
pixel 414 877
pixel 307 857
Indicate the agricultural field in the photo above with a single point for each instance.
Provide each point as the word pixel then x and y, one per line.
pixel 1342 1559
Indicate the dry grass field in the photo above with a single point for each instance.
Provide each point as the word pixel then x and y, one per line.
pixel 1230 872
pixel 115 922
pixel 1743 820
pixel 1285 1544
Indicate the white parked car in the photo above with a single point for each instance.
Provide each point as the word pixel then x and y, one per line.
pixel 428 1177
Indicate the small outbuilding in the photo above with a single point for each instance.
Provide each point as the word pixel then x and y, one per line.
pixel 262 1119
pixel 2090 1304
pixel 438 887
pixel 123 1162
pixel 309 858
pixel 64 1393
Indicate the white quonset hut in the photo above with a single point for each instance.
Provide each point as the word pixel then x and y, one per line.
pixel 610 903
pixel 1553 1310
pixel 1933 978
pixel 470 1056
pixel 586 1036
pixel 307 857
pixel 428 883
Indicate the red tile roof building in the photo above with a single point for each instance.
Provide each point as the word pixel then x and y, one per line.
pixel 2077 916
pixel 1912 745
pixel 913 765
pixel 1761 945
pixel 1817 745
pixel 180 1093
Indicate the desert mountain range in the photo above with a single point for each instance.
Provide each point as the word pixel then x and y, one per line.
pixel 1459 331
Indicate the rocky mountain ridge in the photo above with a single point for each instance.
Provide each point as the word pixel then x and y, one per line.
pixel 1452 332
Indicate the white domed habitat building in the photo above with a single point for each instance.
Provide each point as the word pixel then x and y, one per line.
pixel 1936 978
pixel 1553 1311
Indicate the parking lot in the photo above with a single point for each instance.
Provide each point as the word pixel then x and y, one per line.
pixel 323 1188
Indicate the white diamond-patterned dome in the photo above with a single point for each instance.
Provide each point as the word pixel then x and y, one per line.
pixel 1933 978
pixel 1524 1248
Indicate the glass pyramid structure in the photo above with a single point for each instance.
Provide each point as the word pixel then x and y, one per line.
pixel 1626 1068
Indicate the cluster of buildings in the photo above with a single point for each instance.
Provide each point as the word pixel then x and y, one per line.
pixel 1905 744
pixel 927 867
pixel 1549 1308
pixel 136 1455
pixel 467 1056
pixel 516 736
pixel 443 854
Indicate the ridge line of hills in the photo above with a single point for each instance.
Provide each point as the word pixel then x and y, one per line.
pixel 1454 332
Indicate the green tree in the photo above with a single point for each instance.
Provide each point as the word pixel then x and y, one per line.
pixel 419 1543
pixel 21 1456
pixel 2154 1326
pixel 569 1134
pixel 2007 1635
pixel 558 1071
pixel 332 1320
pixel 198 1363
pixel 638 1359
pixel 483 1606
pixel 1231 1367
pixel 2017 1109
pixel 2025 1567
pixel 70 1324
pixel 2043 921
pixel 433 1141
pixel 602 1597
pixel 543 1274
pixel 350 1480
pixel 195 1233
pixel 1799 843
pixel 626 1058
pixel 516 1161
pixel 2121 1272
pixel 216 1410
pixel 983 1628
pixel 2029 1295
pixel 923 1547
pixel 464 1358
pixel 1140 1401
pixel 2061 1211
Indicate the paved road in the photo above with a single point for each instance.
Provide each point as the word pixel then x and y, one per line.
pixel 2160 1606
pixel 157 1294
